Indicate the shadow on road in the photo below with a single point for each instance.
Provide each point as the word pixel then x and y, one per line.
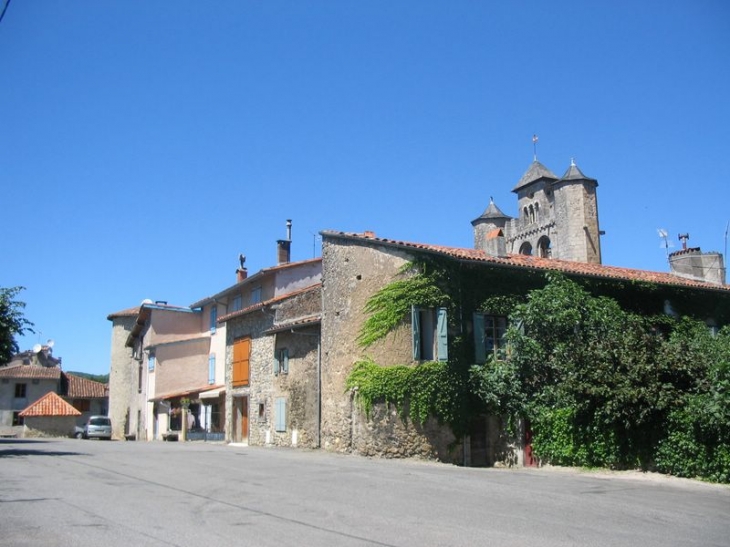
pixel 25 447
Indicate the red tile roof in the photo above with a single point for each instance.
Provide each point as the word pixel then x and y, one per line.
pixel 265 303
pixel 31 371
pixel 50 405
pixel 536 263
pixel 294 324
pixel 83 388
pixel 129 312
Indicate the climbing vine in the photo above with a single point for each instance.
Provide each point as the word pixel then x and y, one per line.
pixel 430 389
pixel 420 286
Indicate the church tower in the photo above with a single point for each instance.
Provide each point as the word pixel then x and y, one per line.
pixel 557 217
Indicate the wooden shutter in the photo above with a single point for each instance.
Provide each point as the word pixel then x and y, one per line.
pixel 442 333
pixel 416 324
pixel 281 414
pixel 213 317
pixel 211 368
pixel 480 345
pixel 241 355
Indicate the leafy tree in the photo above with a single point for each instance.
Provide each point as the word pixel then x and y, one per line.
pixel 12 322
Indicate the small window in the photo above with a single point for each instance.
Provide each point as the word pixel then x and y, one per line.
pixel 20 391
pixel 430 334
pixel 280 414
pixel 489 336
pixel 255 295
pixel 281 362
pixel 151 362
pixel 213 318
pixel 211 368
pixel 236 304
pixel 526 248
pixel 543 247
pixel 262 412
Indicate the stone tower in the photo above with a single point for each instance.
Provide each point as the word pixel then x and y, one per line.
pixel 557 217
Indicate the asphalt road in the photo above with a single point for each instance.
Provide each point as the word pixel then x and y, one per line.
pixel 76 492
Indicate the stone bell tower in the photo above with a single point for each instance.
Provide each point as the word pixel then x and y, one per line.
pixel 557 217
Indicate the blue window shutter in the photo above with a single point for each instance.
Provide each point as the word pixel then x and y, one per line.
pixel 285 361
pixel 151 363
pixel 480 346
pixel 211 368
pixel 213 317
pixel 281 414
pixel 442 332
pixel 416 324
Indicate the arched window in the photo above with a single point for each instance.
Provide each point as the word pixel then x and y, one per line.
pixel 525 213
pixel 543 247
pixel 532 214
pixel 526 248
pixel 537 212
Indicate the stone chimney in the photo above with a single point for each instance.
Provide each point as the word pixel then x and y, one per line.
pixel 283 246
pixel 494 243
pixel 692 263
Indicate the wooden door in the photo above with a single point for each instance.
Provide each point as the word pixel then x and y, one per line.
pixel 240 419
pixel 244 419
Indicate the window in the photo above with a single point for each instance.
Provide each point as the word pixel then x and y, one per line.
pixel 236 304
pixel 151 362
pixel 526 248
pixel 20 391
pixel 17 420
pixel 489 336
pixel 262 412
pixel 430 334
pixel 256 295
pixel 280 414
pixel 281 362
pixel 139 378
pixel 213 318
pixel 241 356
pixel 543 247
pixel 211 368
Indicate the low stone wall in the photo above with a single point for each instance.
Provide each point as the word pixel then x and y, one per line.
pixel 385 434
pixel 49 426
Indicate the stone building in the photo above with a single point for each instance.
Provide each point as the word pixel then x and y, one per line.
pixel 558 217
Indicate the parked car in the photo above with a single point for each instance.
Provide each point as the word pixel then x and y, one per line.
pixel 98 427
pixel 78 432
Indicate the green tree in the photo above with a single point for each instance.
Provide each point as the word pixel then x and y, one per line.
pixel 12 322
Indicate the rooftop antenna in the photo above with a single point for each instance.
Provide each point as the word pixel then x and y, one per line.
pixel 534 147
pixel 665 243
pixel 726 229
pixel 683 238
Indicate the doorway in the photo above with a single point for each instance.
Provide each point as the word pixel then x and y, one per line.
pixel 240 419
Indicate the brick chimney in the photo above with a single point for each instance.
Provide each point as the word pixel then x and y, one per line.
pixel 283 246
pixel 241 271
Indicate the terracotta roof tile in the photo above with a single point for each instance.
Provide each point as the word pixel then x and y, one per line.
pixel 83 388
pixel 129 312
pixel 268 302
pixel 50 405
pixel 296 323
pixel 31 371
pixel 543 264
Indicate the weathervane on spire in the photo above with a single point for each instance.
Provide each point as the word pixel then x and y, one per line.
pixel 534 147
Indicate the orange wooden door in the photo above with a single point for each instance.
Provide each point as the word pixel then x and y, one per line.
pixel 241 356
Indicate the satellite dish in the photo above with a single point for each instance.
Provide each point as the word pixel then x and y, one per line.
pixel 147 301
pixel 50 343
pixel 37 348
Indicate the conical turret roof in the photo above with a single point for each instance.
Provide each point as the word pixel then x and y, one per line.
pixel 537 171
pixel 574 173
pixel 492 212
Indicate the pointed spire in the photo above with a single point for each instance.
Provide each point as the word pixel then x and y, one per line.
pixel 574 173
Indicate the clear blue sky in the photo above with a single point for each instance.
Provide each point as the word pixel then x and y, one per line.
pixel 144 145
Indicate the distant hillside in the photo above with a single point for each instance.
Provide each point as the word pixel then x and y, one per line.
pixel 103 378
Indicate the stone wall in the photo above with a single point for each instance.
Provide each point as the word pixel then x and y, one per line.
pixel 123 380
pixel 49 426
pixel 352 272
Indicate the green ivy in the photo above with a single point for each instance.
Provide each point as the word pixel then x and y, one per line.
pixel 389 306
pixel 429 389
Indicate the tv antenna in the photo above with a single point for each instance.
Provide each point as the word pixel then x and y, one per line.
pixel 666 243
